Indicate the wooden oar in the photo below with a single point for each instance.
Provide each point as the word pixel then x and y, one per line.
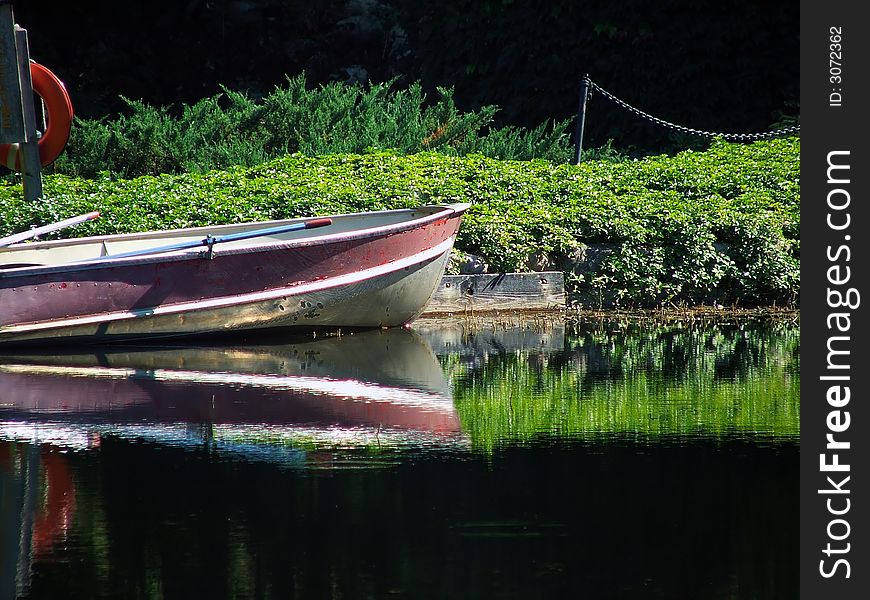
pixel 26 235
pixel 210 241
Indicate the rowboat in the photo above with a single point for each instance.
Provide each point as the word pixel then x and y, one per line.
pixel 375 387
pixel 375 269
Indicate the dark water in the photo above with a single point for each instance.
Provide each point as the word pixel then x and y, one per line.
pixel 602 460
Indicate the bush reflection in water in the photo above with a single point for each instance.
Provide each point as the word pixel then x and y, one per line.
pixel 627 380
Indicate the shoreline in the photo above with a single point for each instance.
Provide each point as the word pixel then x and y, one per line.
pixel 542 320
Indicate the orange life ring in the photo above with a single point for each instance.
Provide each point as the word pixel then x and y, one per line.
pixel 59 114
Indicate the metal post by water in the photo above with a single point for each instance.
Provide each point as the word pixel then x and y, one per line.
pixel 31 169
pixel 11 119
pixel 17 111
pixel 581 118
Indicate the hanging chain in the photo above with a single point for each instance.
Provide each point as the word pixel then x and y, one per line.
pixel 742 137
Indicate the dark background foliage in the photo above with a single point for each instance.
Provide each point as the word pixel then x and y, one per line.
pixel 721 65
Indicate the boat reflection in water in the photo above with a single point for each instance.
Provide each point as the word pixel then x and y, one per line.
pixel 369 389
pixel 310 403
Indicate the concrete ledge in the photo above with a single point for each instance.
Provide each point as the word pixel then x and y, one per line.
pixel 498 291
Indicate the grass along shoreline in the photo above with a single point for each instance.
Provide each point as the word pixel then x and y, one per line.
pixel 719 227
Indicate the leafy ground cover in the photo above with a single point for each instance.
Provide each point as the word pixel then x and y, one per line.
pixel 719 226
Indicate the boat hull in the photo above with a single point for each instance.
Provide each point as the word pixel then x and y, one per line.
pixel 381 275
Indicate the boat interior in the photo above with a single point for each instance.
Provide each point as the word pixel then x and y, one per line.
pixel 31 254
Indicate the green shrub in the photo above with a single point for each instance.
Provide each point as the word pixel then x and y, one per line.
pixel 231 129
pixel 700 227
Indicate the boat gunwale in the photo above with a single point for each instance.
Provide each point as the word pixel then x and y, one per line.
pixel 440 211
